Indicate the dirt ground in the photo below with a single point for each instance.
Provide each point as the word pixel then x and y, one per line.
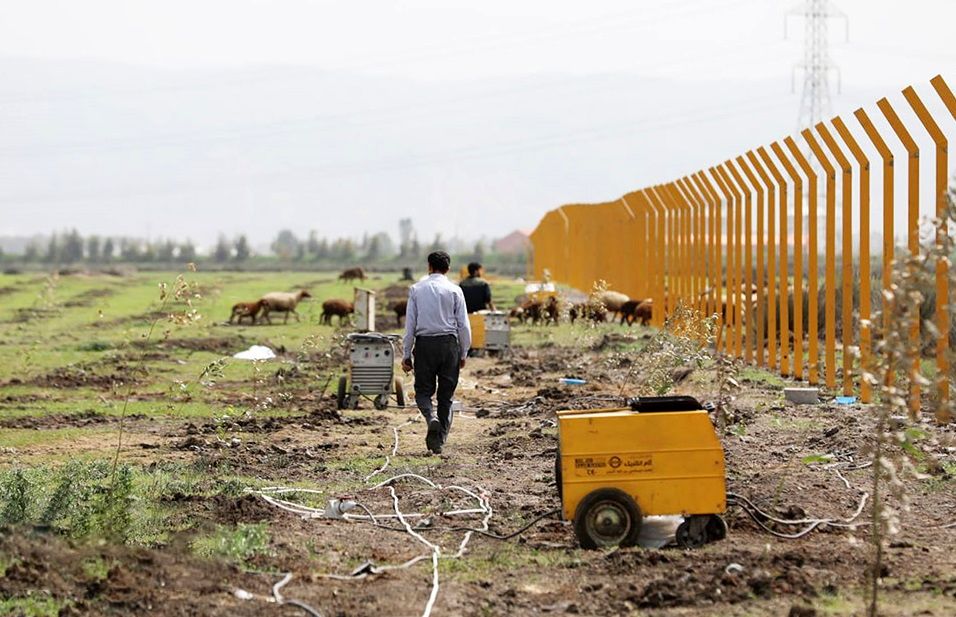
pixel 794 462
pixel 504 445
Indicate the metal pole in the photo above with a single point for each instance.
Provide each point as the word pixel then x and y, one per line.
pixel 783 304
pixel 797 258
pixel 887 157
pixel 912 202
pixel 942 281
pixel 760 283
pixel 813 337
pixel 830 274
pixel 866 394
pixel 846 257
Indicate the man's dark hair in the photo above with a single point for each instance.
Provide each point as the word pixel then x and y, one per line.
pixel 473 268
pixel 439 261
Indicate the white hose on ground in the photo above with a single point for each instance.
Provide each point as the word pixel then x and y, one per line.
pixel 436 553
pixel 271 496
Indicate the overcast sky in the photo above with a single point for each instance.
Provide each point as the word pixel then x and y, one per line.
pixel 187 118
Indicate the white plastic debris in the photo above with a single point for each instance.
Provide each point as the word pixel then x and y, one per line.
pixel 256 352
pixel 734 568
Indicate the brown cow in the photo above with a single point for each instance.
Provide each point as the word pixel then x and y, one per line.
pixel 351 274
pixel 246 309
pixel 342 308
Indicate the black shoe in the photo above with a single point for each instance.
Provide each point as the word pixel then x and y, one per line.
pixel 433 438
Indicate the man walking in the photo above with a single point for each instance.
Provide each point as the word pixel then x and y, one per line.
pixel 476 289
pixel 438 336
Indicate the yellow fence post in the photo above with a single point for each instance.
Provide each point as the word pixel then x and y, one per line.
pixel 689 213
pixel 846 257
pixel 726 302
pixel 639 265
pixel 912 203
pixel 699 255
pixel 830 268
pixel 797 257
pixel 710 178
pixel 866 394
pixel 760 285
pixel 660 215
pixel 782 302
pixel 813 343
pixel 713 240
pixel 745 307
pixel 667 246
pixel 942 89
pixel 733 257
pixel 942 282
pixel 888 187
pixel 771 262
pixel 690 209
pixel 655 258
pixel 702 227
pixel 680 242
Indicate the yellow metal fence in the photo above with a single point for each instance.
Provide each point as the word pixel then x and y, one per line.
pixel 719 239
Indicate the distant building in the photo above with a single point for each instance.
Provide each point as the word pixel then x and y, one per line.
pixel 515 243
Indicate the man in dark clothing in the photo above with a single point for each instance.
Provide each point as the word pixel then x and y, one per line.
pixel 477 290
pixel 437 332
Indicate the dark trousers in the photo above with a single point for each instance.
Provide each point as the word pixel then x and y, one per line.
pixel 436 363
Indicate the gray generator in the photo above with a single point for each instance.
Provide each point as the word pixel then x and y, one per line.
pixel 371 371
pixel 497 332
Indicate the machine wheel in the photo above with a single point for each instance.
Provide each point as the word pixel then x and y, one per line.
pixel 381 402
pixel 716 528
pixel 692 533
pixel 399 393
pixel 341 400
pixel 607 517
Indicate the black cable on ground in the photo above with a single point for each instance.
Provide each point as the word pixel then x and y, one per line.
pixel 520 531
pixel 481 532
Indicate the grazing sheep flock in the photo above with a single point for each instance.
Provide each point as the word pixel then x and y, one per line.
pixel 534 309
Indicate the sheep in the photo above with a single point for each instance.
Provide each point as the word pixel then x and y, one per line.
pixel 634 310
pixel 552 310
pixel 584 310
pixel 611 300
pixel 246 309
pixel 282 302
pixel 352 273
pixel 518 313
pixel 644 311
pixel 400 308
pixel 342 308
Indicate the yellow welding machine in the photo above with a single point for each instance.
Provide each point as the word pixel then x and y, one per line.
pixel 657 456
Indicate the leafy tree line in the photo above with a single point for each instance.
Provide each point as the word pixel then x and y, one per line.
pixel 70 247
